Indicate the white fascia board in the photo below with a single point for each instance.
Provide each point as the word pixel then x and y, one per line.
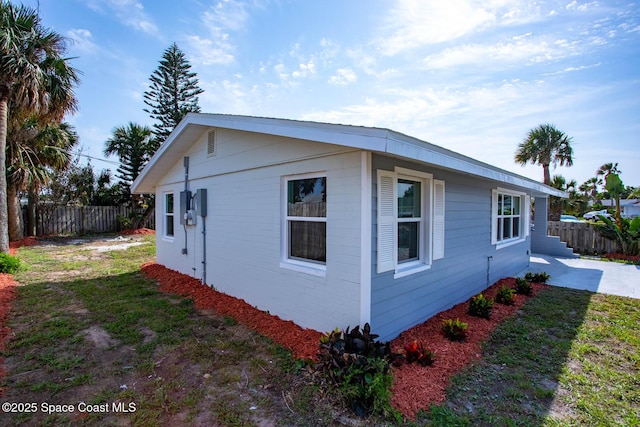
pixel 440 157
pixel 372 139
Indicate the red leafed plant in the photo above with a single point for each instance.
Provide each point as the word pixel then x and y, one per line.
pixel 415 352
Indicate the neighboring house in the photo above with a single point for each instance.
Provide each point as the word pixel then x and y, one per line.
pixel 332 225
pixel 629 208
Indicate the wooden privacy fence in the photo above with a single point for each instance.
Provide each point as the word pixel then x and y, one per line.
pixel 582 237
pixel 83 220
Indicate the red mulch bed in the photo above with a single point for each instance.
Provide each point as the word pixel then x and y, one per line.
pixel 7 295
pixel 623 257
pixel 416 387
pixel 303 343
pixel 130 231
pixel 27 241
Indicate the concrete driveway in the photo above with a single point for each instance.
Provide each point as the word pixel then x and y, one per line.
pixel 591 275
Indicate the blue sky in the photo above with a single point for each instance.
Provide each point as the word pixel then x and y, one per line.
pixel 471 76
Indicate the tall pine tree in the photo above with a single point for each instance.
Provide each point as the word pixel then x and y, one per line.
pixel 172 94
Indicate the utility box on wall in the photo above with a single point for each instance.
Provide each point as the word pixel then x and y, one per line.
pixel 201 202
pixel 185 205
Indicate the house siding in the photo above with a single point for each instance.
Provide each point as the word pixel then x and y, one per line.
pixel 245 211
pixel 470 262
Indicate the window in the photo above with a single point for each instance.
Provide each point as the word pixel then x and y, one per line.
pixel 410 221
pixel 168 215
pixel 306 219
pixel 510 217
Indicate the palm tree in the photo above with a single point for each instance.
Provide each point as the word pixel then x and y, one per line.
pixel 545 145
pixel 607 168
pixel 558 205
pixel 35 154
pixel 134 146
pixel 34 77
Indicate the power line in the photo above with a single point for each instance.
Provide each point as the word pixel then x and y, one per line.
pixel 97 158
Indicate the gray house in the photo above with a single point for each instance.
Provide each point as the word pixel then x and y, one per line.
pixel 332 225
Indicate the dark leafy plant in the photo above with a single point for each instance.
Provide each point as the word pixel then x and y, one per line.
pixel 505 295
pixel 359 365
pixel 418 353
pixel 523 287
pixel 480 306
pixel 455 330
pixel 9 264
pixel 626 233
pixel 537 277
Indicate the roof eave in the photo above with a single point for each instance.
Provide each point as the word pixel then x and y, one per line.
pixel 364 138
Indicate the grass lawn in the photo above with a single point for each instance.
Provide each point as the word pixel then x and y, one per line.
pixel 87 327
pixel 569 358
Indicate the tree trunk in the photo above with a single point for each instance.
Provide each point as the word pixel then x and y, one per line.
pixel 547 174
pixel 32 229
pixel 618 216
pixel 14 214
pixel 4 228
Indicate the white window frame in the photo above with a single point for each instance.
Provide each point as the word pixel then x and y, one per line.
pixel 166 215
pixel 524 216
pixel 431 223
pixel 297 264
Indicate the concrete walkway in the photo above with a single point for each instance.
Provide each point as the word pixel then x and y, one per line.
pixel 591 275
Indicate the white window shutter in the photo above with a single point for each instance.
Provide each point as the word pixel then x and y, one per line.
pixel 527 214
pixel 438 219
pixel 494 217
pixel 386 221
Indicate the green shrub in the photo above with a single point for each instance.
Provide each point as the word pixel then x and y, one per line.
pixel 523 287
pixel 9 264
pixel 455 330
pixel 537 277
pixel 505 295
pixel 124 221
pixel 367 386
pixel 480 306
pixel 359 366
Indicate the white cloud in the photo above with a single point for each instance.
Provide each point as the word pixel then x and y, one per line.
pixel 207 52
pixel 500 55
pixel 221 20
pixel 343 77
pixel 82 41
pixel 413 23
pixel 581 7
pixel 128 12
pixel 304 70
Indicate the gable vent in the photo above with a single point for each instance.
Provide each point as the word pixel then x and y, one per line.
pixel 211 143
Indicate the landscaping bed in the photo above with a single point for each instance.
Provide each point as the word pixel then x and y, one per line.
pixel 415 387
